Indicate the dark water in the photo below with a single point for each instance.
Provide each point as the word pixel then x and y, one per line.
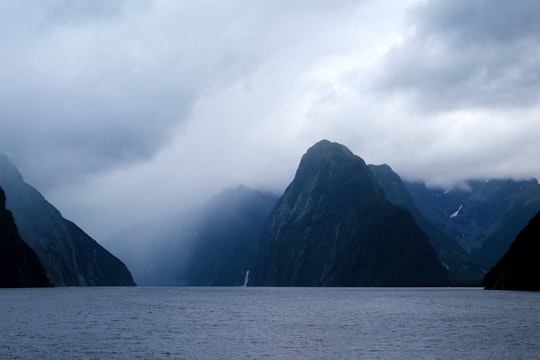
pixel 268 323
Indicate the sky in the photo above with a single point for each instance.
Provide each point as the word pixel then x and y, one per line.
pixel 122 110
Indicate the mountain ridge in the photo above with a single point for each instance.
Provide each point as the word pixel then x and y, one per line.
pixel 69 255
pixel 463 268
pixel 484 217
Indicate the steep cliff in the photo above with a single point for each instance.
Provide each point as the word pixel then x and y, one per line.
pixel 19 264
pixel 70 257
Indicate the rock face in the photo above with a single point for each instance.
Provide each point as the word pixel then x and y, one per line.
pixel 19 264
pixel 484 217
pixel 519 268
pixel 333 226
pixel 70 257
pixel 214 245
pixel 463 268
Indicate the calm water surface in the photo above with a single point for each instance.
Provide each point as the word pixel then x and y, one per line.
pixel 268 323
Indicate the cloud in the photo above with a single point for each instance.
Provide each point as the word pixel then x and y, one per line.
pixel 120 111
pixel 91 85
pixel 96 96
pixel 467 54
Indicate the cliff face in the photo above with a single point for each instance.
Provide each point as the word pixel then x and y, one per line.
pixel 70 257
pixel 519 268
pixel 333 226
pixel 19 264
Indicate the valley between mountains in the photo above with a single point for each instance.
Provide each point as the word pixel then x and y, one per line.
pixel 340 222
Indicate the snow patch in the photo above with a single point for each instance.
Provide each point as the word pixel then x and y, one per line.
pixel 456 213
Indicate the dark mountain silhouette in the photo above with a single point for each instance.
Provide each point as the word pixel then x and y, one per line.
pixel 70 257
pixel 519 268
pixel 463 268
pixel 333 226
pixel 19 264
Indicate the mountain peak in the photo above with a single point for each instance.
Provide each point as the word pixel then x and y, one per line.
pixel 327 150
pixel 327 146
pixel 334 227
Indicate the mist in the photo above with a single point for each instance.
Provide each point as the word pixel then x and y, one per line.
pixel 121 112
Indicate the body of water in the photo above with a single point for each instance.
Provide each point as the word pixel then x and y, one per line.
pixel 268 323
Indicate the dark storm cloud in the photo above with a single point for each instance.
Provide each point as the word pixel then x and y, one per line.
pixel 467 54
pixel 479 21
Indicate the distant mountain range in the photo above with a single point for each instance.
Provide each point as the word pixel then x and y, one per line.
pixel 340 222
pixel 484 217
pixel 70 257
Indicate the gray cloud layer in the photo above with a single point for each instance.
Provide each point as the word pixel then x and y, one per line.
pixel 120 109
pixel 94 84
pixel 469 54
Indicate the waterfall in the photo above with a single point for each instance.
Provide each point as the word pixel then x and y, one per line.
pixel 246 278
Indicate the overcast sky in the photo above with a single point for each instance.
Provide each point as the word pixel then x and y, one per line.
pixel 119 110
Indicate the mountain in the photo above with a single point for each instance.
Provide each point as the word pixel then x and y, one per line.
pixel 484 217
pixel 19 264
pixel 333 226
pixel 226 244
pixel 519 268
pixel 463 268
pixel 213 245
pixel 70 257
